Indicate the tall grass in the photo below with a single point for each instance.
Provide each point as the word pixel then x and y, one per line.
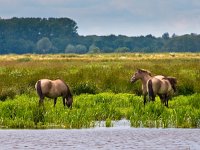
pixel 102 89
pixel 95 73
pixel 23 112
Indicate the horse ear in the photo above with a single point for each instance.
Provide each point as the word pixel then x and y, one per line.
pixel 139 70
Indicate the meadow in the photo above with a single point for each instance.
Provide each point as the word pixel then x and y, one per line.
pixel 102 90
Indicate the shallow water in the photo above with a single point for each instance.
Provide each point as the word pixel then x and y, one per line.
pixel 121 137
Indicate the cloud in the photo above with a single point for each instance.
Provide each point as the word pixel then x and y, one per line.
pixel 130 17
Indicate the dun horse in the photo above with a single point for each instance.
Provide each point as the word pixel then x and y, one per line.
pixel 157 85
pixel 163 87
pixel 54 89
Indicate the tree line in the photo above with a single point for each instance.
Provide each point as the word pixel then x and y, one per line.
pixel 59 35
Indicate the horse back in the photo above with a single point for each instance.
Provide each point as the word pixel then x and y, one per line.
pixel 156 84
pixel 60 87
pixel 163 85
pixel 59 84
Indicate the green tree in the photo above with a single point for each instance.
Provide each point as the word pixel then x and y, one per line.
pixel 94 49
pixel 165 36
pixel 122 50
pixel 70 49
pixel 44 45
pixel 81 49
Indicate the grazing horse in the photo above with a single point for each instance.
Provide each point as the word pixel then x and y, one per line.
pixel 54 89
pixel 164 87
pixel 145 76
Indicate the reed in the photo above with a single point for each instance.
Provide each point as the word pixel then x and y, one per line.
pixel 96 73
pixel 102 89
pixel 23 112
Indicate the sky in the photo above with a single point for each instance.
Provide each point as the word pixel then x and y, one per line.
pixel 118 17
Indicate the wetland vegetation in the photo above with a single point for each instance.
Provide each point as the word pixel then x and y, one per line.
pixel 102 90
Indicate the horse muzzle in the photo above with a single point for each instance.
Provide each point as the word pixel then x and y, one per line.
pixel 133 80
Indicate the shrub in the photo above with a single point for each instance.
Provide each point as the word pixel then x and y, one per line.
pixel 84 87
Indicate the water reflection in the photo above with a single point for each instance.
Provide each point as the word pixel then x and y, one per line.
pixel 114 123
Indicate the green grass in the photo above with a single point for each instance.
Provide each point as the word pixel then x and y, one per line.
pixel 23 112
pixel 101 86
pixel 96 73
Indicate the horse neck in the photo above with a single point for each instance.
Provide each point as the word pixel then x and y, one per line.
pixel 144 79
pixel 69 93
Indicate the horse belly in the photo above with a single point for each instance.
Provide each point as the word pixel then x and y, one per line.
pixel 50 95
pixel 53 93
pixel 162 91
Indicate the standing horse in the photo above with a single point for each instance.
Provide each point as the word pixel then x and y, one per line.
pixel 164 87
pixel 54 89
pixel 145 76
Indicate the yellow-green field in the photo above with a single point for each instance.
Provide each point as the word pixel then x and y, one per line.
pixel 102 57
pixel 106 80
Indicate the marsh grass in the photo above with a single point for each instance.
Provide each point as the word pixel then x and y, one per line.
pixel 23 112
pixel 96 73
pixel 102 89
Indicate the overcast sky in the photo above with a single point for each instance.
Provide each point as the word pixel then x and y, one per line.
pixel 105 17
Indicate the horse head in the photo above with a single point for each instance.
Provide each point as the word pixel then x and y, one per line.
pixel 69 100
pixel 139 74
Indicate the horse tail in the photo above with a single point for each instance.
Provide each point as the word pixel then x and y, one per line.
pixel 173 82
pixel 38 88
pixel 150 89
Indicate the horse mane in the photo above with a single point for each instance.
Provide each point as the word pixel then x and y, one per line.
pixel 145 71
pixel 68 91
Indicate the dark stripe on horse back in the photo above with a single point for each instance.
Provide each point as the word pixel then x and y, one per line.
pixel 150 88
pixel 39 89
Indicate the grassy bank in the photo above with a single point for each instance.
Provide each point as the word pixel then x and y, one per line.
pixel 23 112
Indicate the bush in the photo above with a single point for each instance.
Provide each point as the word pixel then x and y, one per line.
pixel 84 87
pixel 7 93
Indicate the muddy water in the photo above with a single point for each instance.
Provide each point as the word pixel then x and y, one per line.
pixel 102 138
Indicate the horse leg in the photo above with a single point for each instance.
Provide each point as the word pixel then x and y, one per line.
pixel 162 98
pixel 153 98
pixel 41 101
pixel 64 101
pixel 145 99
pixel 166 100
pixel 55 100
